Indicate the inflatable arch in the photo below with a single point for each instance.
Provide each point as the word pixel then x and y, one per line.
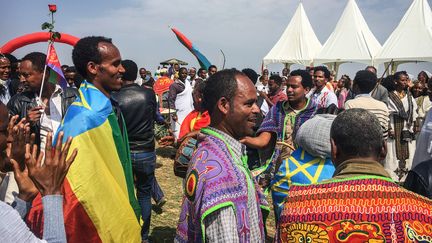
pixel 32 38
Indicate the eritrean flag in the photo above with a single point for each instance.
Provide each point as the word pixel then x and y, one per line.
pixel 204 63
pixel 100 204
pixel 56 74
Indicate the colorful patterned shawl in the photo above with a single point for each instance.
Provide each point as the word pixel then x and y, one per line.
pixel 359 209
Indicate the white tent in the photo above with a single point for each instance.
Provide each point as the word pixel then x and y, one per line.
pixel 351 40
pixel 412 39
pixel 298 43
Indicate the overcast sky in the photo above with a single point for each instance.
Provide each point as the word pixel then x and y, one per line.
pixel 245 30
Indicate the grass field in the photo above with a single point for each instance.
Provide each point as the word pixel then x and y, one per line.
pixel 163 225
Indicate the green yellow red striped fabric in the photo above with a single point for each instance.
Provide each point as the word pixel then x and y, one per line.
pixel 99 205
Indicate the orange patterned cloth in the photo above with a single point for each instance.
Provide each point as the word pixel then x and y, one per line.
pixel 194 121
pixel 357 209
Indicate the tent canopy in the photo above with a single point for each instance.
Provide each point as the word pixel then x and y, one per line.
pixel 412 39
pixel 173 61
pixel 351 40
pixel 298 43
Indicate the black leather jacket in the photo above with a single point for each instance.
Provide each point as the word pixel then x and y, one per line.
pixel 19 104
pixel 138 106
pixel 419 179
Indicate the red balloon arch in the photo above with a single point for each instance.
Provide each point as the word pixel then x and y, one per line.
pixel 36 37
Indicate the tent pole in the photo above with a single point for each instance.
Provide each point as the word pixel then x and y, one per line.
pixel 336 69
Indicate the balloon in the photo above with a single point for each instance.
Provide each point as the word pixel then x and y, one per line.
pixel 32 38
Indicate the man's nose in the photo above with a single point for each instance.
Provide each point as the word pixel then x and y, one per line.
pixel 255 108
pixel 121 69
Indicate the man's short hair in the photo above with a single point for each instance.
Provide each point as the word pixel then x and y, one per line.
pixel 324 70
pixel 221 84
pixel 365 81
pixel 131 70
pixel 13 59
pixel 70 69
pixel 86 50
pixel 212 66
pixel 277 79
pixel 200 86
pixel 37 59
pixel 252 75
pixel 306 78
pixel 357 132
pixel 371 67
pixel 201 69
pixel 398 75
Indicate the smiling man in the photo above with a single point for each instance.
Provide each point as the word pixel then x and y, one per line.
pixel 222 203
pixel 321 96
pixel 5 71
pixel 278 130
pixel 100 203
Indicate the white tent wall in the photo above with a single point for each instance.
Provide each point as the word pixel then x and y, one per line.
pixel 351 40
pixel 298 43
pixel 412 39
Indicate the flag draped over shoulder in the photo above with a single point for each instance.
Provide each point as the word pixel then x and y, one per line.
pixel 203 61
pixel 100 205
pixel 56 74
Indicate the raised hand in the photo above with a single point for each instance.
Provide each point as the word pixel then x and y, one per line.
pixel 27 189
pixel 10 127
pixel 21 135
pixel 49 176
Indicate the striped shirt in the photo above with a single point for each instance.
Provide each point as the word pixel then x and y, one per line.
pixel 376 107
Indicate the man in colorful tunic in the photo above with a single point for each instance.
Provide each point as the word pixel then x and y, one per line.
pixel 222 202
pixel 361 203
pixel 278 130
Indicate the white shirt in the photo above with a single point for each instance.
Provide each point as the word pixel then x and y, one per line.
pixel 51 122
pixel 323 98
pixel 6 97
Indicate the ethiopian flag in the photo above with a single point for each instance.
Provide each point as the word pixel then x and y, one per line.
pixel 100 204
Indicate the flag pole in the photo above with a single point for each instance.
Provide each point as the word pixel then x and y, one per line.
pixel 45 68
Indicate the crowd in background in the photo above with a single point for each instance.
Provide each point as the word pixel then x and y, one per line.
pixel 334 154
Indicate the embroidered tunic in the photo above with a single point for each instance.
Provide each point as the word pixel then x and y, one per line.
pixel 217 179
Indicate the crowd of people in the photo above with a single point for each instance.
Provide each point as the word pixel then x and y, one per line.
pixel 345 160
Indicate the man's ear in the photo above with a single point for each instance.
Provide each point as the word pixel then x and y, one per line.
pixel 92 68
pixel 307 89
pixel 223 105
pixel 383 152
pixel 334 151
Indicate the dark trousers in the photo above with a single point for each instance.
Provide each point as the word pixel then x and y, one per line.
pixel 144 169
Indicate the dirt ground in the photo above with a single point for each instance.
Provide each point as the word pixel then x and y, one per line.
pixel 163 224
